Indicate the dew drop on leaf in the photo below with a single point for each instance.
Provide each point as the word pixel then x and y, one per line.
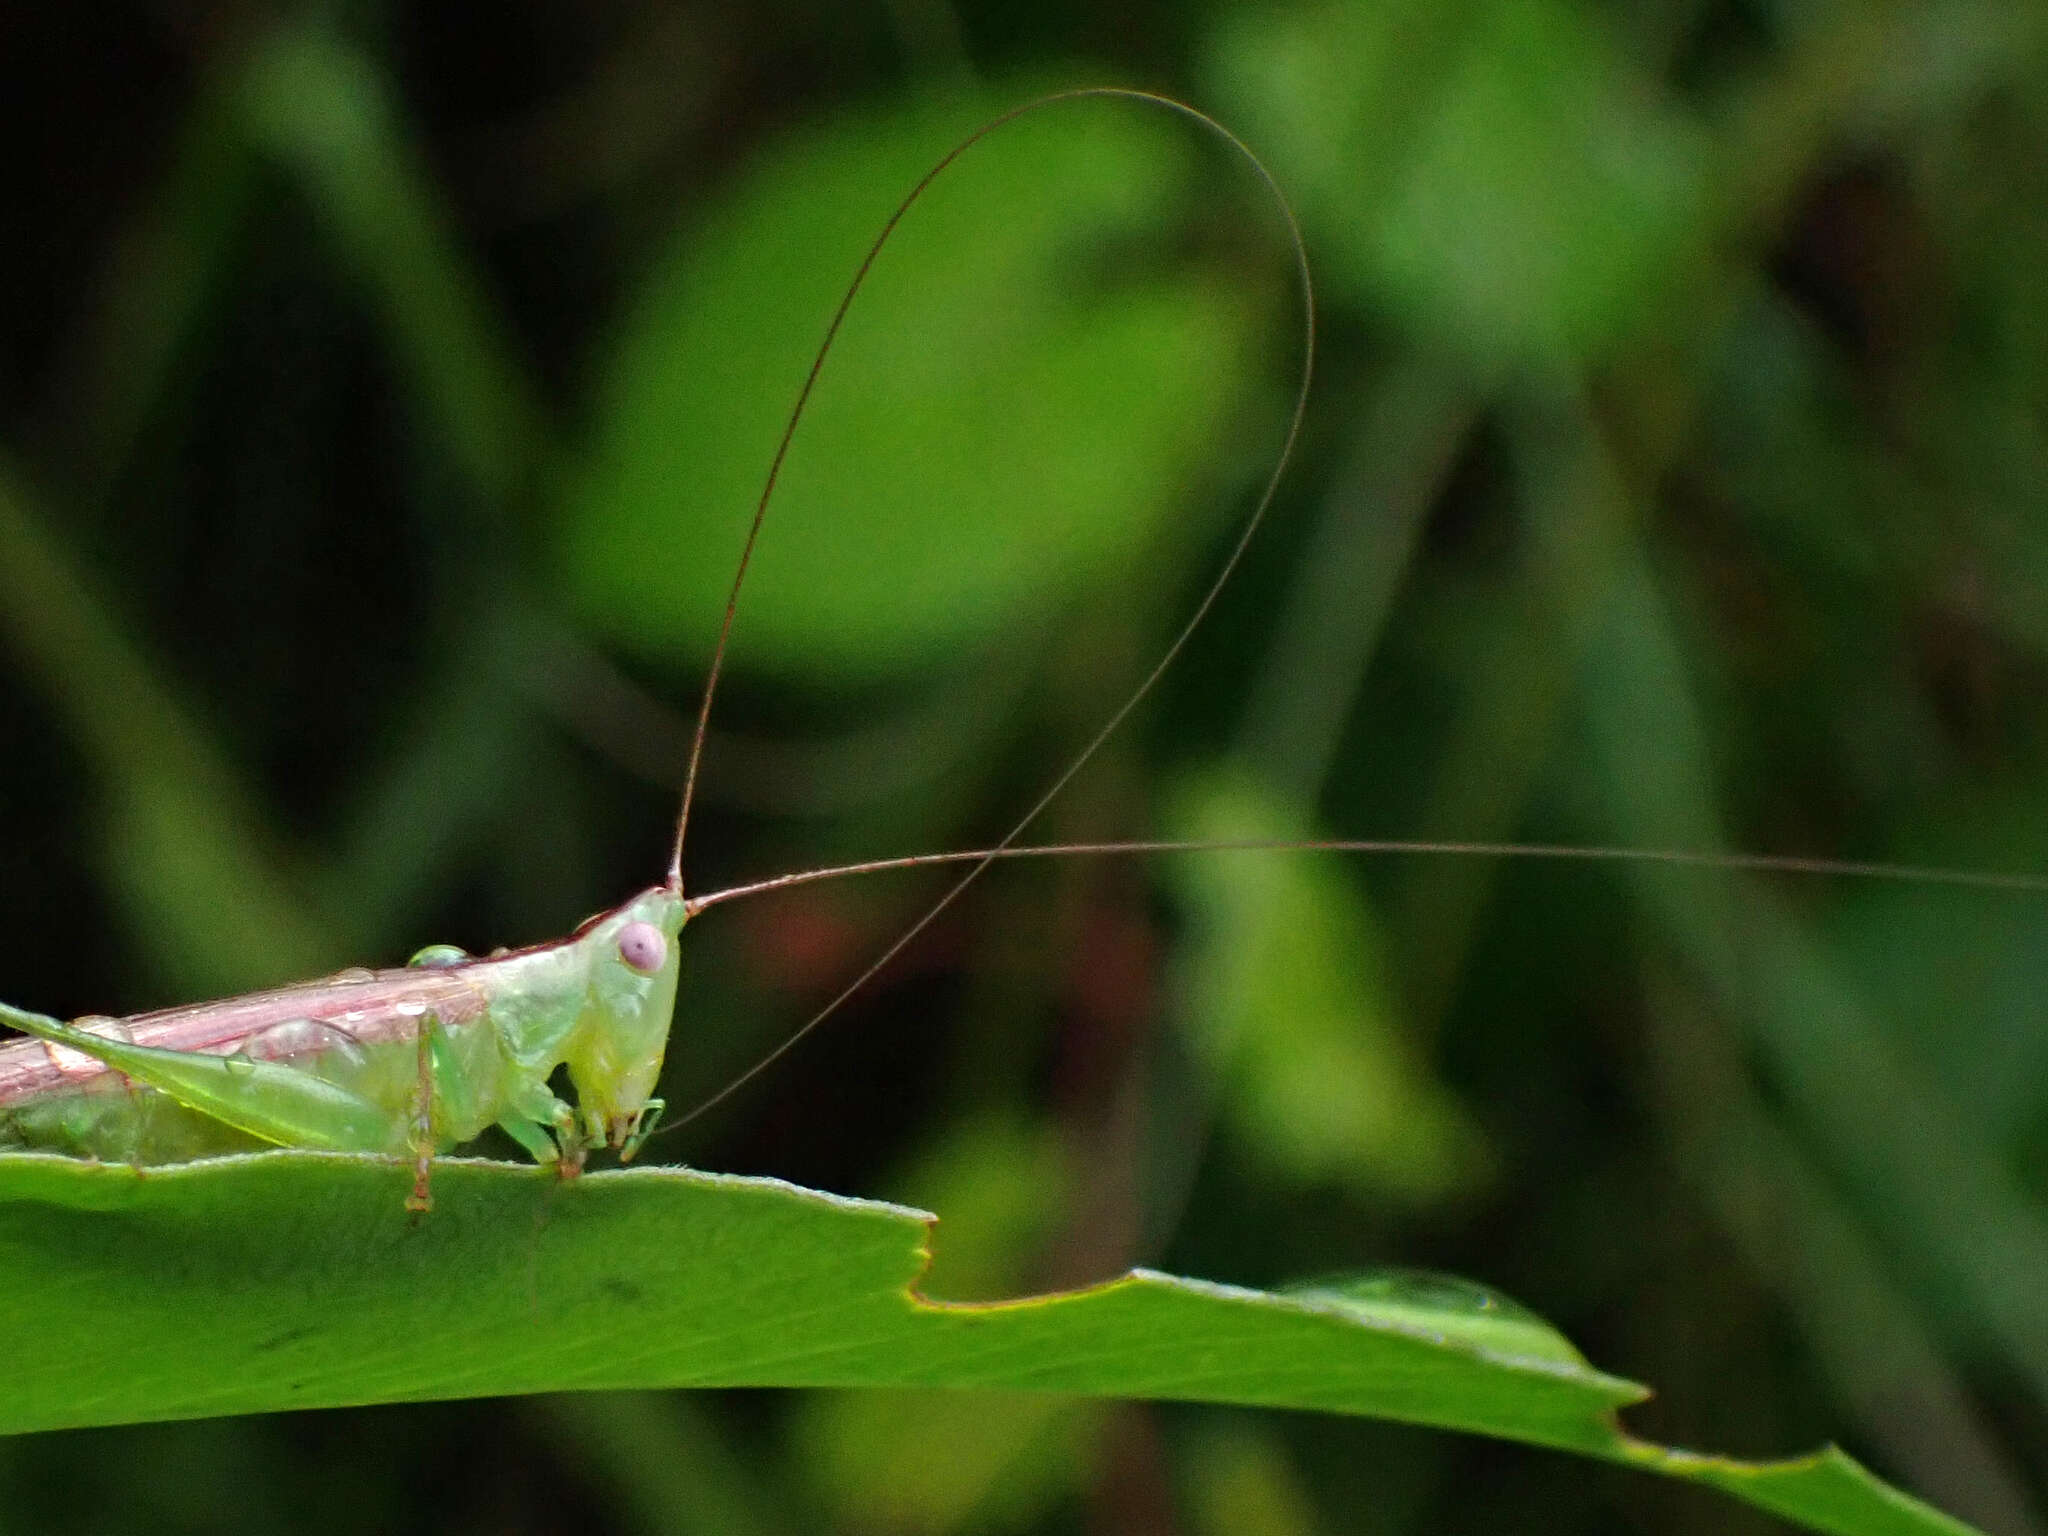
pixel 1444 1306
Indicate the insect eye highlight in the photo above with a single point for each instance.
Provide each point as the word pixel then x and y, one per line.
pixel 643 947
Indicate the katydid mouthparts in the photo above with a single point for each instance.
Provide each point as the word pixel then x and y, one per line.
pixel 410 1062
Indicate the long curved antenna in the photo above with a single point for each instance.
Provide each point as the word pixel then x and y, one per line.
pixel 803 400
pixel 1684 858
pixel 983 858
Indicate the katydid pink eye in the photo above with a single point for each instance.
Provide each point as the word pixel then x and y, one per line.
pixel 643 947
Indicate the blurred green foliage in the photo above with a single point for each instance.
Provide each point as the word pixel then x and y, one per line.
pixel 977 414
pixel 385 392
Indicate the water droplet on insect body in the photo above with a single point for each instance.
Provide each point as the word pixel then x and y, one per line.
pixel 303 1040
pixel 409 1010
pixel 436 955
pixel 354 973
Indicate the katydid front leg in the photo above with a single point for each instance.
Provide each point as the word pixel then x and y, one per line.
pixel 546 1127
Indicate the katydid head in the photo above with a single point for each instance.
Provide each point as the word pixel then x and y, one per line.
pixel 615 1053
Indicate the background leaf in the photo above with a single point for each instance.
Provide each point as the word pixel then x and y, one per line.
pixel 994 388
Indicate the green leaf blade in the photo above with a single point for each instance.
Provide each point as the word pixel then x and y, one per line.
pixel 295 1280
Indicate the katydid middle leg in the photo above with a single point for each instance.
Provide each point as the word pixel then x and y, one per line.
pixel 421 1200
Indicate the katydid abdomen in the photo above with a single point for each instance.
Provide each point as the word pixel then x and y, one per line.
pixel 54 1099
pixel 357 1032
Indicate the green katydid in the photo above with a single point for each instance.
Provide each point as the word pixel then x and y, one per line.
pixel 409 1062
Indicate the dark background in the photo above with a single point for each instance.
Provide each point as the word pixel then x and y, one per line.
pixel 385 390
